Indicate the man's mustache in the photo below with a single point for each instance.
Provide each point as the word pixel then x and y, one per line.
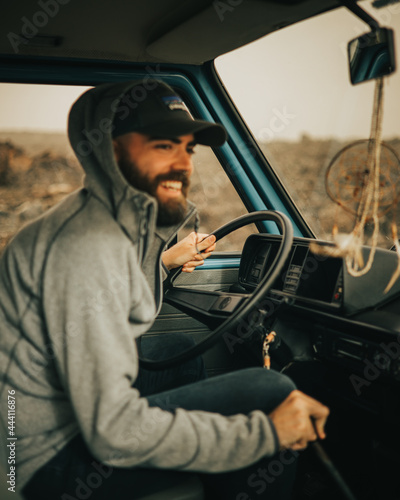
pixel 174 176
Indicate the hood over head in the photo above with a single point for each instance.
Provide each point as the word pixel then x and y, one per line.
pixel 148 106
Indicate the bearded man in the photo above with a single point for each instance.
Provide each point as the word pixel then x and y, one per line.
pixel 79 285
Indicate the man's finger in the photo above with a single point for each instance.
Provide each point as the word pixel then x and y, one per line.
pixel 205 255
pixel 319 425
pixel 191 266
pixel 205 243
pixel 299 445
pixel 210 249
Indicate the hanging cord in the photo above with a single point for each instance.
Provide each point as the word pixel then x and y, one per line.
pixel 396 245
pixel 369 203
pixel 350 246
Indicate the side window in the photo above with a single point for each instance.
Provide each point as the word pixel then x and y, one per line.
pixel 216 200
pixel 38 167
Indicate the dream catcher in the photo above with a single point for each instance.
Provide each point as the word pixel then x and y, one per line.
pixel 362 179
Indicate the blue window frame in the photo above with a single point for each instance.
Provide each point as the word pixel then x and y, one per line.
pixel 240 156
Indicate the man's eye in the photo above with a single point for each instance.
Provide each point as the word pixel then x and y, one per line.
pixel 191 150
pixel 163 146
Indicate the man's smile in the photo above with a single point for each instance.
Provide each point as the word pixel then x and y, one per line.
pixel 171 187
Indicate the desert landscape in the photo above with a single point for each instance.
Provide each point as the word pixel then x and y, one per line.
pixel 302 167
pixel 37 170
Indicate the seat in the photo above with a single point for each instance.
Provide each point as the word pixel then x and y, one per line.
pixel 190 489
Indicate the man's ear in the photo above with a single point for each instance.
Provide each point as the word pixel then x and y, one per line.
pixel 116 147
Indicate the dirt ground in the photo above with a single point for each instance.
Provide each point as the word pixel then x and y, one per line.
pixel 302 167
pixel 38 170
pixel 32 182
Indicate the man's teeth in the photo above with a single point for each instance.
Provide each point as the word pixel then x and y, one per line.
pixel 174 185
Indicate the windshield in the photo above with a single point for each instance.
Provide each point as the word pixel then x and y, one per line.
pixel 294 92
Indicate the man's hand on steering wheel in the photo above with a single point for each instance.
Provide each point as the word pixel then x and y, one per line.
pixel 185 252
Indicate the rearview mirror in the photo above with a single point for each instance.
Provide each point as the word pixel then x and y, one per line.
pixel 371 55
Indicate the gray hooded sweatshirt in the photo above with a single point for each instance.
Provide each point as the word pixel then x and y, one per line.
pixel 77 287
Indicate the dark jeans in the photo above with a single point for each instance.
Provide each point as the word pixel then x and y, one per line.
pixel 74 474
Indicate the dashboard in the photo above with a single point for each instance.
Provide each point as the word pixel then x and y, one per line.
pixel 332 315
pixel 320 310
pixel 319 281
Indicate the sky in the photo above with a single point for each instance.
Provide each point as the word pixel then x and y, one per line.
pixel 36 107
pixel 290 83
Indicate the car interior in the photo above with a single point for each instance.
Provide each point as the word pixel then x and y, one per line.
pixel 302 197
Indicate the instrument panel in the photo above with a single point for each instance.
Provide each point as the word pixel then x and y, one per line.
pixel 315 280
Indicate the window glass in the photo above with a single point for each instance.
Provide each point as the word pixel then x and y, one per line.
pixel 216 200
pixel 38 167
pixel 293 89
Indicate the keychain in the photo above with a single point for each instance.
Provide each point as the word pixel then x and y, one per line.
pixel 269 338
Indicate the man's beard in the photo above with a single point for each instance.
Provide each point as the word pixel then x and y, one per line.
pixel 170 212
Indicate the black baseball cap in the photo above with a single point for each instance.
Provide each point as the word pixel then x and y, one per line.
pixel 152 107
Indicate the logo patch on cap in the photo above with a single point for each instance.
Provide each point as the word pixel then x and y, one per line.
pixel 174 102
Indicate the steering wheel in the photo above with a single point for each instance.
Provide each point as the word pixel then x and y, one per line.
pixel 226 309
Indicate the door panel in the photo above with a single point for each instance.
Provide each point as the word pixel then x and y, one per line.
pixel 221 358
